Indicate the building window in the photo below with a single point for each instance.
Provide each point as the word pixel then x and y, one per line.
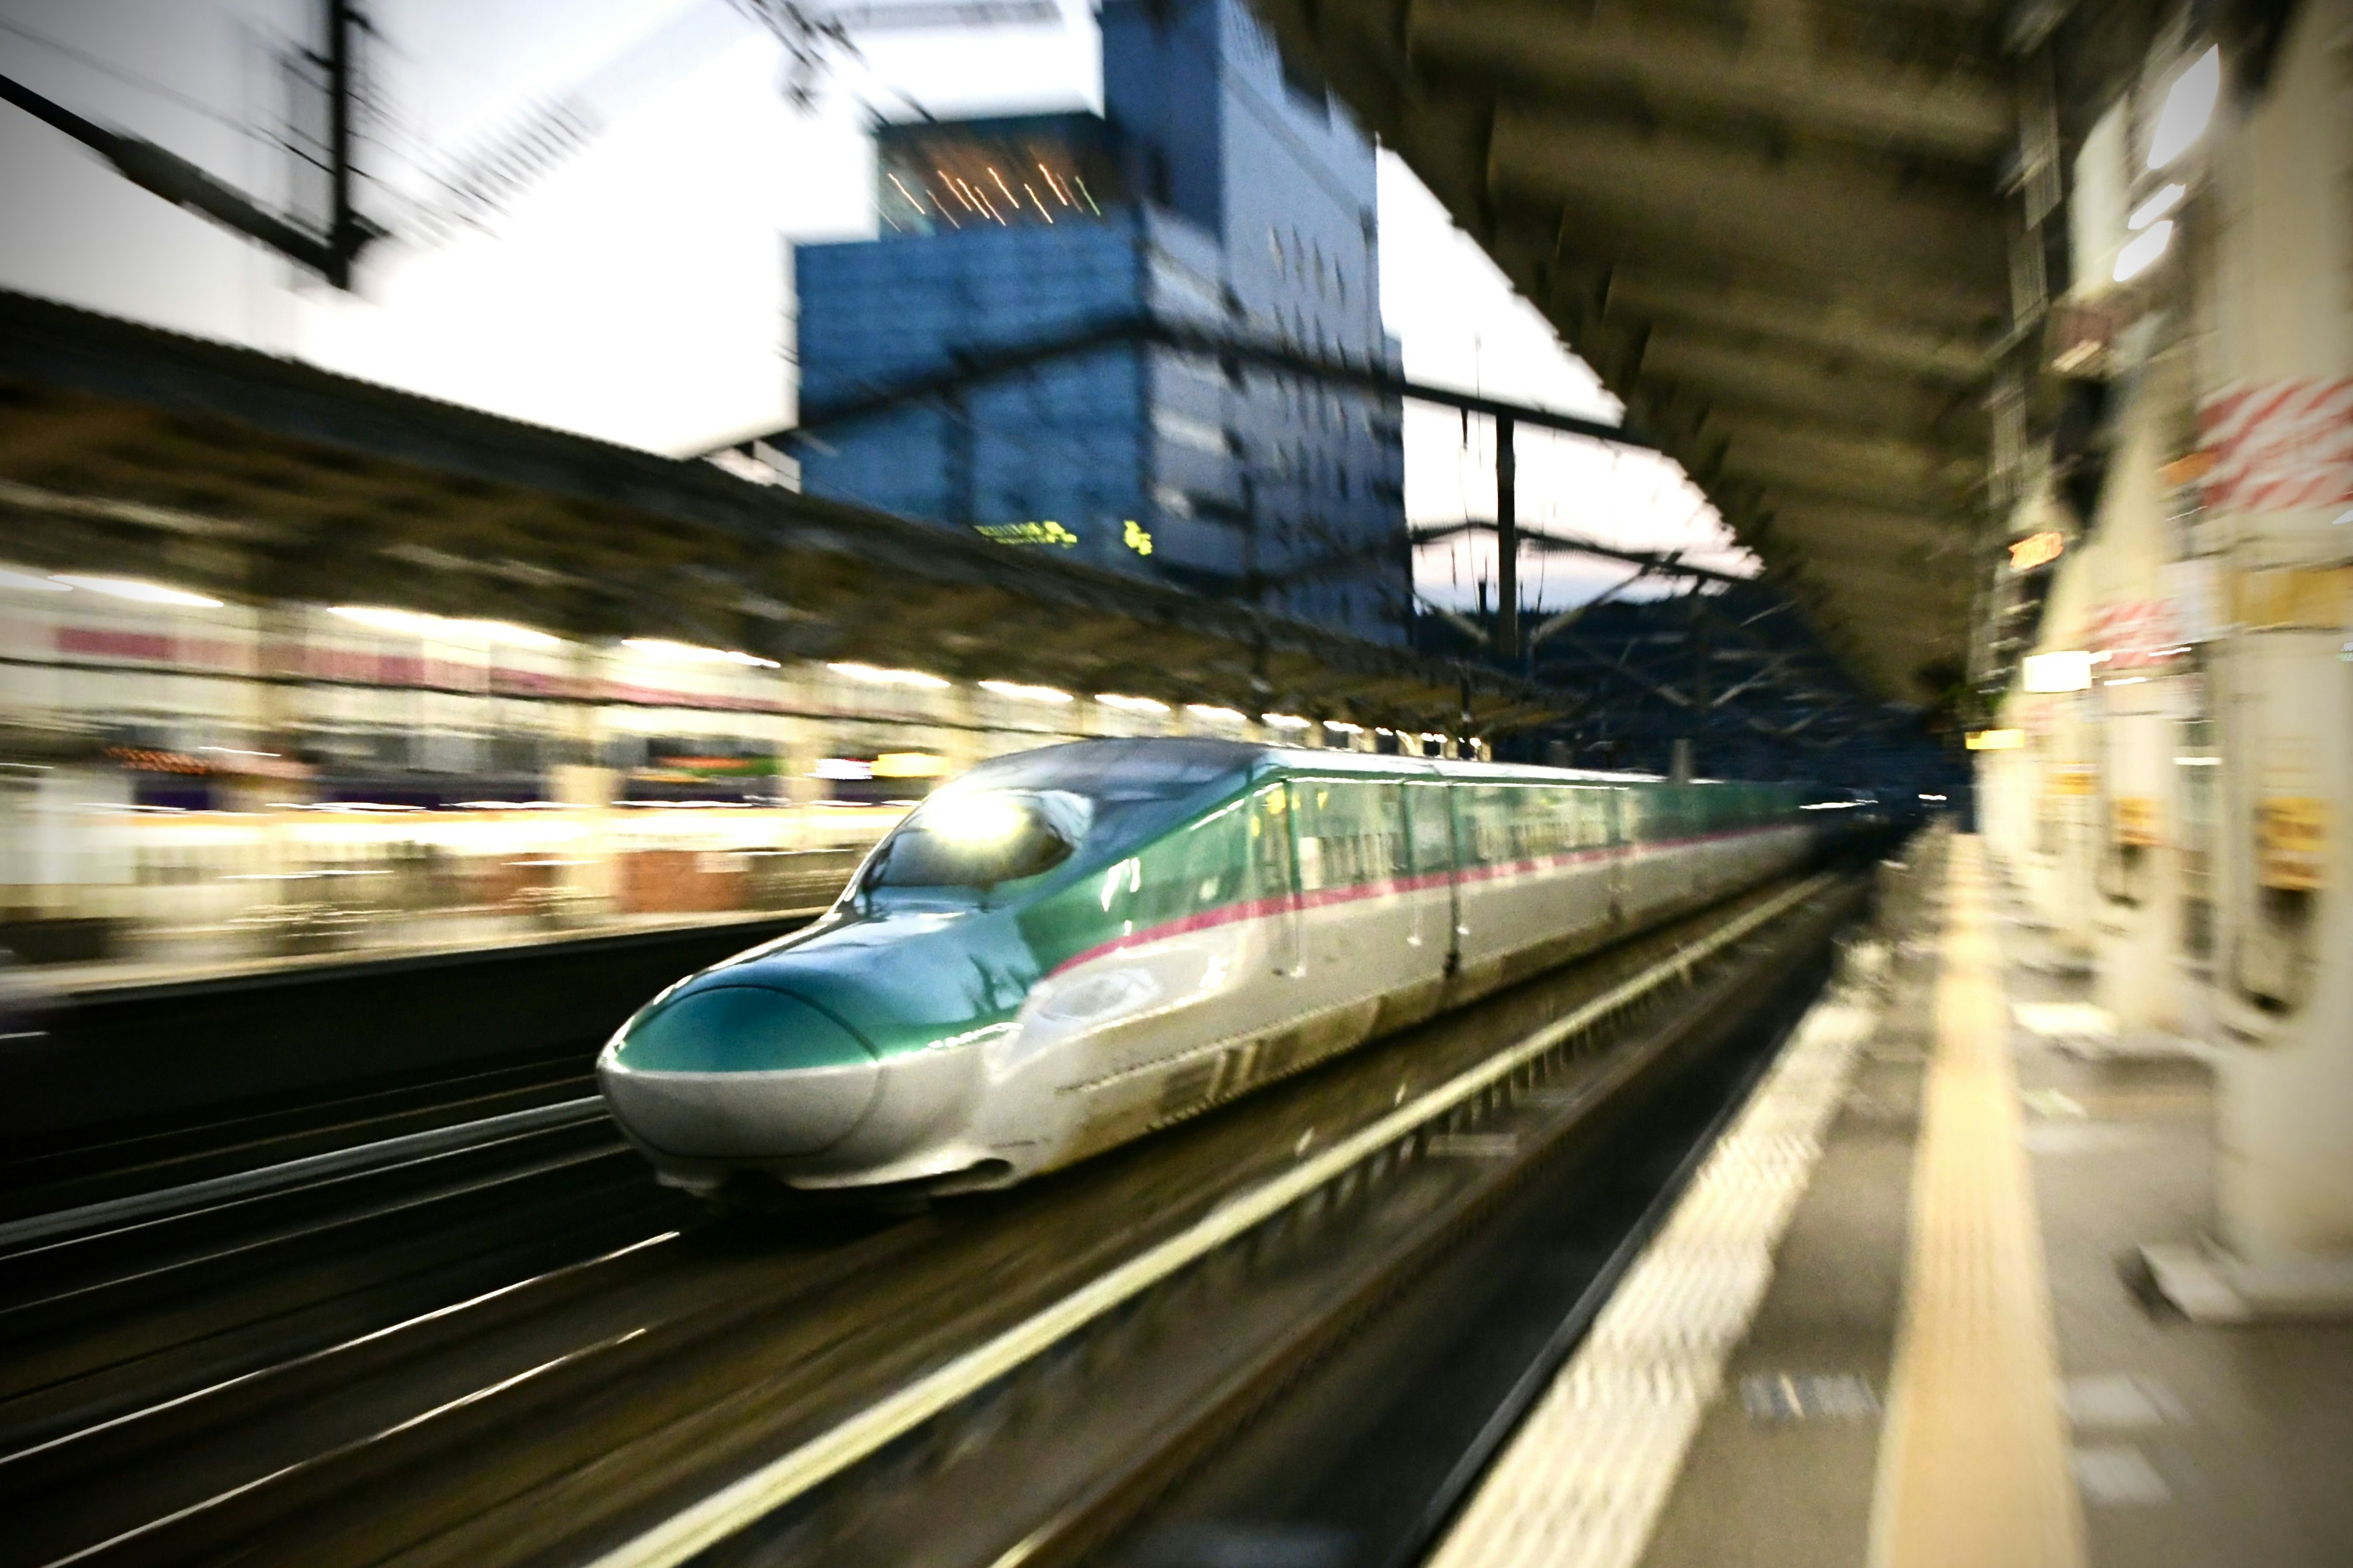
pixel 1275 244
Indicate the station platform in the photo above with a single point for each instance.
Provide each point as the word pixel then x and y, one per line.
pixel 1937 1348
pixel 196 962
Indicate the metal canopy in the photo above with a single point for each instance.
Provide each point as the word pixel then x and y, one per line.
pixel 128 449
pixel 1776 229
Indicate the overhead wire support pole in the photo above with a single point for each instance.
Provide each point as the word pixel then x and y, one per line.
pixel 177 181
pixel 344 233
pixel 1507 543
pixel 184 185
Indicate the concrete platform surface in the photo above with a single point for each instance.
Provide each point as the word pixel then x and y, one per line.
pixel 1956 1361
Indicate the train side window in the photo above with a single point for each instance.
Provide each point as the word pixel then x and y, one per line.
pixel 1269 832
pixel 1429 827
pixel 1348 830
pixel 1215 863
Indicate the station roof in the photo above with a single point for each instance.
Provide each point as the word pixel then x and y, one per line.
pixel 1775 228
pixel 131 450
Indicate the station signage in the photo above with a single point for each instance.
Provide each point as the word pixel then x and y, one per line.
pixel 2291 842
pixel 2037 550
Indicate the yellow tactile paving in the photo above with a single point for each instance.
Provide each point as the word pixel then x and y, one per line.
pixel 1582 1483
pixel 1973 1460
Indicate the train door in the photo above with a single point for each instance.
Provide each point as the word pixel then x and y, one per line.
pixel 1274 875
pixel 1618 831
pixel 1430 847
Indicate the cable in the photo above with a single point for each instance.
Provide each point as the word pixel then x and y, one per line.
pixel 145 84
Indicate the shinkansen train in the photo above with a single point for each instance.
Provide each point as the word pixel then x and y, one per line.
pixel 1066 949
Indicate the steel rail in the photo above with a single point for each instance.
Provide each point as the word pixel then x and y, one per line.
pixel 742 1503
pixel 167 1203
pixel 326 1353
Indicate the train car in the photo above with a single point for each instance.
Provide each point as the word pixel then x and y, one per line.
pixel 1065 949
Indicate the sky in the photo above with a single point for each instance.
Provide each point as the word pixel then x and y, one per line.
pixel 634 289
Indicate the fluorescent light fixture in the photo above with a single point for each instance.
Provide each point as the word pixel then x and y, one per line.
pixel 2157 206
pixel 910 766
pixel 687 653
pixel 132 588
pixel 2189 106
pixel 1133 704
pixel 1212 712
pixel 2197 762
pixel 416 624
pixel 2065 671
pixel 1284 720
pixel 874 676
pixel 1996 740
pixel 25 583
pixel 1020 693
pixel 2143 250
pixel 507 631
pixel 842 768
pixel 1342 727
pixel 1934 799
pixel 388 620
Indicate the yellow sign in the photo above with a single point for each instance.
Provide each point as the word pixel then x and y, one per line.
pixel 2291 842
pixel 1137 538
pixel 910 766
pixel 1996 740
pixel 2073 778
pixel 1047 533
pixel 2291 597
pixel 2136 820
pixel 2036 550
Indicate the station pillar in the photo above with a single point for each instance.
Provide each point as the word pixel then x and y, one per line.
pixel 2275 288
pixel 2139 698
pixel 2064 755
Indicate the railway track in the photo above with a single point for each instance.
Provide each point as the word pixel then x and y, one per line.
pixel 753 1391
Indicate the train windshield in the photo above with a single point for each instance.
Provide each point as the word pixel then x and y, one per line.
pixel 979 837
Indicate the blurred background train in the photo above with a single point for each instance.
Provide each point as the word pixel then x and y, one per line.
pixel 183 781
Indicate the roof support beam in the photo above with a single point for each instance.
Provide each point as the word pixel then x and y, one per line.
pixel 1552 49
pixel 1824 319
pixel 1801 383
pixel 1670 195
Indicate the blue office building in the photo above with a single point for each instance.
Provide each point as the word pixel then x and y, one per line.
pixel 1218 187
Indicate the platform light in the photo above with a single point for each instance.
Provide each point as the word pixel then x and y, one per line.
pixel 2157 206
pixel 138 590
pixel 26 582
pixel 1342 727
pixel 2189 107
pixel 874 675
pixel 1021 693
pixel 688 653
pixel 2143 251
pixel 2197 762
pixel 415 622
pixel 842 768
pixel 1213 713
pixel 1995 740
pixel 1133 704
pixel 910 766
pixel 1284 720
pixel 2070 670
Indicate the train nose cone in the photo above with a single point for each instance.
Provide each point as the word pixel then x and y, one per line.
pixel 741 1071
